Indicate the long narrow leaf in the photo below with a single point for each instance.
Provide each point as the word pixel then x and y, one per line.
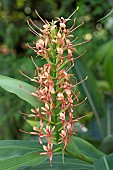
pixel 13 86
pixel 90 89
pixel 83 150
pixel 69 164
pixel 86 148
pixel 25 154
pixel 35 162
pixel 12 148
pixel 105 163
pixel 30 159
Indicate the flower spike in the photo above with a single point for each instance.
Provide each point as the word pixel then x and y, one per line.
pixel 54 88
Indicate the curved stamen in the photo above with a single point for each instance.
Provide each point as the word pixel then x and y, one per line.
pixel 82 117
pixel 73 24
pixel 34 32
pixel 32 133
pixel 78 104
pixel 75 79
pixel 73 13
pixel 32 29
pixel 33 48
pixel 40 17
pixel 27 76
pixel 77 27
pixel 34 62
pixel 80 81
pixel 74 40
pixel 76 97
pixel 35 25
pixel 70 67
pixel 28 115
pixel 81 55
pixel 81 43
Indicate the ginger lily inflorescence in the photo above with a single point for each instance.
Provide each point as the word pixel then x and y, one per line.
pixel 54 89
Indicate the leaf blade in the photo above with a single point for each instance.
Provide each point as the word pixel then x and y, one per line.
pixel 87 148
pixel 83 150
pixel 57 164
pixel 20 153
pixel 105 163
pixel 90 89
pixel 29 159
pixel 11 148
pixel 13 86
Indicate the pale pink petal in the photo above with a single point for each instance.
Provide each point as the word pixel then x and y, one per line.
pixel 45 148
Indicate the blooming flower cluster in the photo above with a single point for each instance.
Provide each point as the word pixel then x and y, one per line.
pixel 55 90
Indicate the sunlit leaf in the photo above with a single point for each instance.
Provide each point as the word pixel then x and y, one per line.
pixel 13 86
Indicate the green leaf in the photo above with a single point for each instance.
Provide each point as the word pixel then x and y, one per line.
pixel 90 89
pixel 87 148
pixel 103 85
pixel 105 163
pixel 13 86
pixel 70 163
pixel 102 53
pixel 103 59
pixel 21 155
pixel 83 150
pixel 33 122
pixel 29 159
pixel 16 154
pixel 12 148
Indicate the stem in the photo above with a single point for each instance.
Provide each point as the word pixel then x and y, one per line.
pixel 81 156
pixel 64 64
pixel 55 110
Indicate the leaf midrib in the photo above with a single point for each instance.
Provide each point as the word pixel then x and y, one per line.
pixel 106 163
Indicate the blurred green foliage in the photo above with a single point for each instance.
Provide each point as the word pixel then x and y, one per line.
pixel 15 56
